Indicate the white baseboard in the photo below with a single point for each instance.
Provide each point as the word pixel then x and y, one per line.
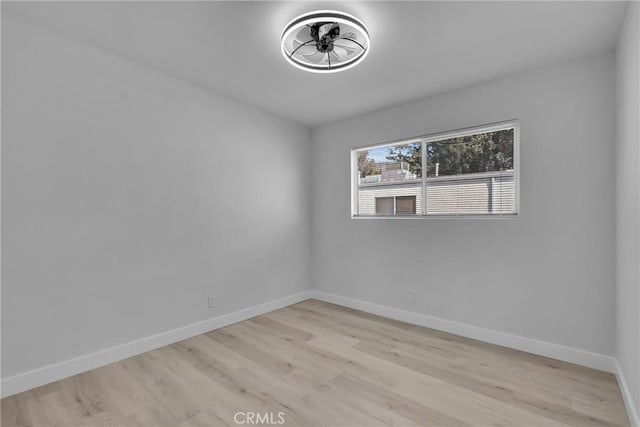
pixel 41 376
pixel 634 420
pixel 542 348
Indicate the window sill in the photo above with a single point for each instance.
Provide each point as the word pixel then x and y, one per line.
pixel 440 216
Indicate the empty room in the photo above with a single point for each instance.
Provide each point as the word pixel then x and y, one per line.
pixel 309 213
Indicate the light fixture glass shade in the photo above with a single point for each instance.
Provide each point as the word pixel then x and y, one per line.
pixel 325 41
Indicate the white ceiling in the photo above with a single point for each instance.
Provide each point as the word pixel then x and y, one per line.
pixel 418 49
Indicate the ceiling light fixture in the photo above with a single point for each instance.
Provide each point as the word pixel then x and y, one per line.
pixel 325 41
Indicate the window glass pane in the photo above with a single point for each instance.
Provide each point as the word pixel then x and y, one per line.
pixel 387 172
pixel 471 174
pixel 393 163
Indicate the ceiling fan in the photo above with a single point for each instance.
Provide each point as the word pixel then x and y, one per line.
pixel 325 41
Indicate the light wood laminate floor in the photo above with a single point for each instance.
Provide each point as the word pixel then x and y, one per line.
pixel 322 364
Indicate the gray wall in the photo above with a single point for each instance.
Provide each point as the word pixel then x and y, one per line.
pixel 129 196
pixel 628 203
pixel 547 274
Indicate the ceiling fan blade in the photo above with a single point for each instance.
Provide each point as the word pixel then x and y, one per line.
pixel 315 57
pixel 306 55
pixel 344 50
pixel 340 53
pixel 303 48
pixel 353 42
pixel 347 36
pixel 304 34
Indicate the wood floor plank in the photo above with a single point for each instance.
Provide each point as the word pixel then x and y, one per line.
pixel 319 364
pixel 479 409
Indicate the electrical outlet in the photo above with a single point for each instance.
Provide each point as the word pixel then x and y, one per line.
pixel 414 295
pixel 211 301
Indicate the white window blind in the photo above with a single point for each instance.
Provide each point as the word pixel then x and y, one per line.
pixel 469 172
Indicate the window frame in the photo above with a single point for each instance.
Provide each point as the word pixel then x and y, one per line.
pixel 426 139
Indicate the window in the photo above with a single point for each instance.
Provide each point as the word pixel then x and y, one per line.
pixel 468 172
pixel 396 205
